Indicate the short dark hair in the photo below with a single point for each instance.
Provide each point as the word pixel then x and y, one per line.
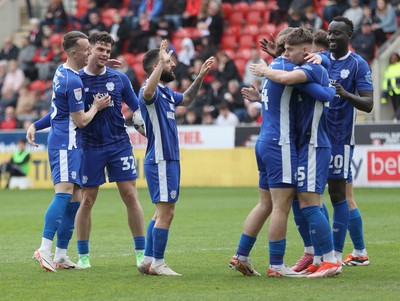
pixel 321 38
pixel 150 58
pixel 103 37
pixel 347 21
pixel 71 39
pixel 299 36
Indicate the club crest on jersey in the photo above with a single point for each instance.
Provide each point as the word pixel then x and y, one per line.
pixel 344 73
pixel 84 179
pixel 73 175
pixel 110 86
pixel 173 194
pixel 78 93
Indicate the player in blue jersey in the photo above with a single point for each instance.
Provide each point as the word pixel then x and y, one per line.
pixel 277 179
pixel 106 144
pixel 162 168
pixel 64 147
pixel 313 146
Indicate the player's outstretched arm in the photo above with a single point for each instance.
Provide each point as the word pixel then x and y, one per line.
pixel 82 119
pixel 192 91
pixel 251 94
pixel 364 102
pixel 42 123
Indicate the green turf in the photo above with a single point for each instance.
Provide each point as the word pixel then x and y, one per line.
pixel 204 235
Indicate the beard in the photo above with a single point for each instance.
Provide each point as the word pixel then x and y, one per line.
pixel 167 77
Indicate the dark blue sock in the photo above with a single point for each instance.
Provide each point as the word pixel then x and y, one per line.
pixel 340 224
pixel 301 223
pixel 160 239
pixel 325 211
pixel 140 242
pixel 64 232
pixel 148 251
pixel 55 213
pixel 246 243
pixel 277 251
pixel 83 246
pixel 356 229
pixel 319 228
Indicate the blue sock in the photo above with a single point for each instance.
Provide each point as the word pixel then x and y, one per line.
pixel 55 213
pixel 64 232
pixel 340 224
pixel 83 247
pixel 319 228
pixel 160 239
pixel 301 223
pixel 277 251
pixel 246 243
pixel 325 211
pixel 148 251
pixel 356 229
pixel 140 242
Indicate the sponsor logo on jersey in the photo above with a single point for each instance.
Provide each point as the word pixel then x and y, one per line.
pixel 171 115
pixel 110 86
pixel 78 93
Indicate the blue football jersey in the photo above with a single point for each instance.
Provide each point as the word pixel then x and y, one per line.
pixel 107 130
pixel 354 74
pixel 159 119
pixel 311 116
pixel 68 96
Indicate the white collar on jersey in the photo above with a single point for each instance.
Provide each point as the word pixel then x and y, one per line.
pixel 341 58
pixel 161 85
pixel 92 74
pixel 66 67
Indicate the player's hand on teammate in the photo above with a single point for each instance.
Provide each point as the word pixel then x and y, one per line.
pixel 251 94
pixel 340 90
pixel 113 63
pixel 101 101
pixel 30 135
pixel 206 67
pixel 165 57
pixel 268 46
pixel 258 69
pixel 313 58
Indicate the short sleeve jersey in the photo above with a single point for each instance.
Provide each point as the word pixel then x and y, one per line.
pixel 107 130
pixel 159 118
pixel 68 96
pixel 354 74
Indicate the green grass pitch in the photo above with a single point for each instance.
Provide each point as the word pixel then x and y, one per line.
pixel 204 235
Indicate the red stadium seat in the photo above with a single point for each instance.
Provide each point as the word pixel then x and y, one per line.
pixel 241 66
pixel 241 7
pixel 227 9
pixel 266 17
pixel 253 17
pixel 251 29
pixel 139 57
pixel 228 42
pixel 182 32
pixel 231 53
pixel 259 6
pixel 130 58
pixel 177 43
pixel 140 73
pixel 268 28
pixel 243 54
pixel 107 16
pixel 246 42
pixel 233 31
pixel 236 18
pixel 56 39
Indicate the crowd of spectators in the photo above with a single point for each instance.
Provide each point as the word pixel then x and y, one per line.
pixel 138 25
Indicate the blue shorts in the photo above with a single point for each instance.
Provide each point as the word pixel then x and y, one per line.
pixel 281 163
pixel 163 181
pixel 339 166
pixel 65 165
pixel 261 164
pixel 120 165
pixel 312 172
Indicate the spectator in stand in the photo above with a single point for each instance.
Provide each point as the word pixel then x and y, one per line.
pixel 36 33
pixel 8 98
pixel 388 21
pixel 3 72
pixel 295 18
pixel 363 41
pixel 205 48
pixel 43 59
pixel 120 32
pixel 191 117
pixel 334 8
pixel 280 14
pixel 141 35
pixel 215 97
pixel 207 118
pixel 354 13
pixel 255 58
pixel 25 104
pixel 181 70
pixel 391 85
pixel 233 97
pixel 153 8
pixel 161 31
pixel 14 78
pixel 311 19
pixel 226 68
pixel 225 116
pixel 180 114
pixel 253 114
pixel 43 102
pixel 172 11
pixel 191 13
pixel 56 16
pixel 9 50
pixel 25 56
pixel 187 52
pixel 9 122
pixel 91 8
pixel 132 14
pixel 199 102
pixel 94 24
pixel 213 22
pixel 130 73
